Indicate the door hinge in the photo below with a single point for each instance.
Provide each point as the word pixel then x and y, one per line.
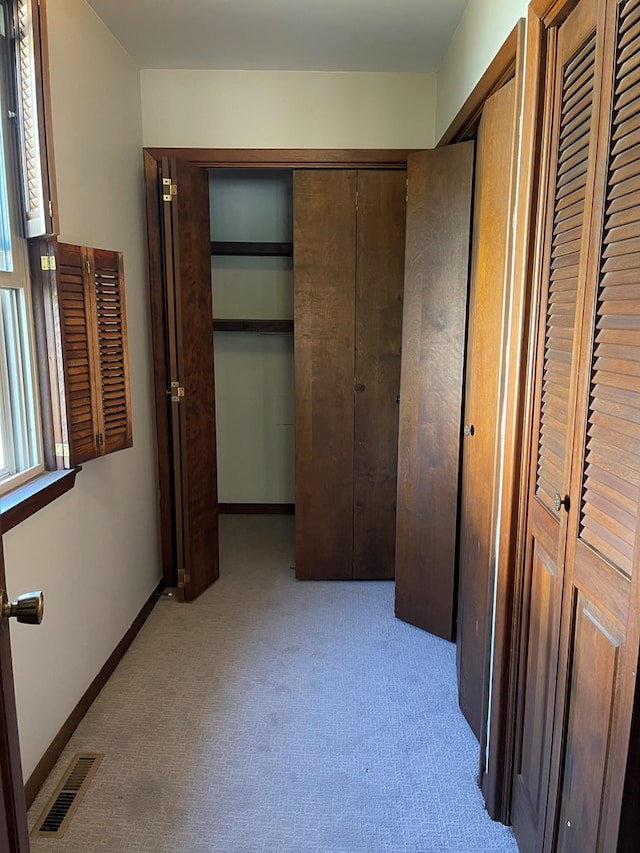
pixel 87 266
pixel 183 578
pixel 356 199
pixel 177 392
pixel 62 449
pixel 47 262
pixel 99 439
pixel 169 189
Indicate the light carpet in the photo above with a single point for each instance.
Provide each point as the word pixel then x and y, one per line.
pixel 277 716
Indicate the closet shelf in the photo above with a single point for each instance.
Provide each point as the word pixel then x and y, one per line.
pixel 267 326
pixel 256 249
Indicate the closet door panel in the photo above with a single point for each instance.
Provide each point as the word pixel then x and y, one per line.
pixel 599 641
pixel 191 359
pixel 439 191
pixel 570 93
pixel 379 286
pixel 324 316
pixel 489 290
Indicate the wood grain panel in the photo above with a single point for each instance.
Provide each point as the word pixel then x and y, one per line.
pixel 489 292
pixel 324 316
pixel 440 184
pixel 197 508
pixel 378 336
pixel 594 672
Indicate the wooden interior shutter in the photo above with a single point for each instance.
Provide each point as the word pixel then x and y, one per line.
pixel 112 355
pixel 84 326
pixel 75 351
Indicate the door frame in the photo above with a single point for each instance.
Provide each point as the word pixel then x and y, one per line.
pixel 208 158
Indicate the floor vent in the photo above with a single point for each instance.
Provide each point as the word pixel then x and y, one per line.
pixel 66 798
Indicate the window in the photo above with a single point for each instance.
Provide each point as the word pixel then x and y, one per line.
pixel 20 441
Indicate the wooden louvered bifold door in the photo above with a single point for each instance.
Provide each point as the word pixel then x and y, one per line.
pixel 599 637
pixel 87 343
pixel 570 100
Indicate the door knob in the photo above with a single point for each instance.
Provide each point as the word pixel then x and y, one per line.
pixel 469 429
pixel 28 609
pixel 559 502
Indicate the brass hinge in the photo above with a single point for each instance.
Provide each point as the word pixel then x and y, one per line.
pixel 47 262
pixel 177 392
pixel 356 199
pixel 183 579
pixel 169 189
pixel 62 449
pixel 87 266
pixel 99 439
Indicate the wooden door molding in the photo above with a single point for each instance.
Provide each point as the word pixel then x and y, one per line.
pixel 287 158
pixel 14 835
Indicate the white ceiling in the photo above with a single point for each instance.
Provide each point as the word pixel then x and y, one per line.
pixel 286 35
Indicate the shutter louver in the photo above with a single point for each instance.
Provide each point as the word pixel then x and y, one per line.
pixel 611 476
pixel 112 353
pixel 78 415
pixel 85 328
pixel 566 243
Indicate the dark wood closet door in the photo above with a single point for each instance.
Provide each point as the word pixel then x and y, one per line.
pixel 570 86
pixel 14 835
pixel 488 300
pixel 324 239
pixel 378 334
pixel 439 191
pixel 193 440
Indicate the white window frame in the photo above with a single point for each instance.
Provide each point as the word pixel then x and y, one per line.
pixel 20 421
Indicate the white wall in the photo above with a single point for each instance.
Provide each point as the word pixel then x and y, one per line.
pixel 287 109
pixel 94 551
pixel 481 33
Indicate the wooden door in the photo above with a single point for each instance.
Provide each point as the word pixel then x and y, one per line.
pixel 439 191
pixel 381 215
pixel 324 239
pixel 13 810
pixel 190 359
pixel 599 635
pixel 488 300
pixel 571 102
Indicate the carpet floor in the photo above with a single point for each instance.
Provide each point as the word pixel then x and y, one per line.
pixel 277 716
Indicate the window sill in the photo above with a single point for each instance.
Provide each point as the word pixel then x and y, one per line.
pixel 26 500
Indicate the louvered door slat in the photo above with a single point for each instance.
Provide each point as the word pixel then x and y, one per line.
pixel 78 413
pixel 568 215
pixel 112 352
pixel 611 479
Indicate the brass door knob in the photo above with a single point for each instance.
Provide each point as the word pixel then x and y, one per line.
pixel 28 609
pixel 559 502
